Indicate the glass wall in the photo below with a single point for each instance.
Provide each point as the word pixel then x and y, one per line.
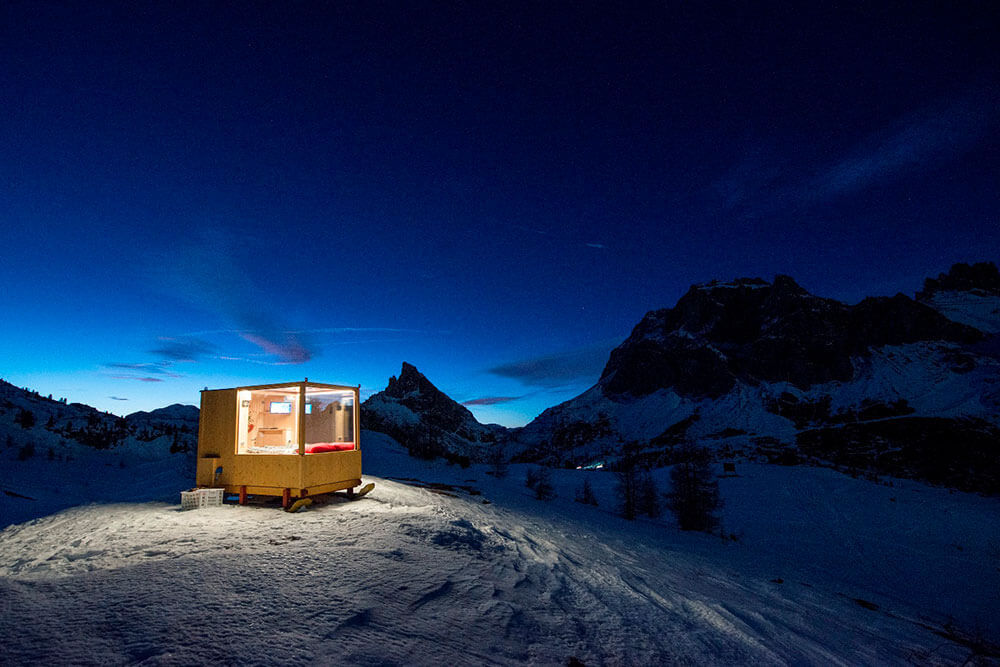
pixel 329 417
pixel 268 421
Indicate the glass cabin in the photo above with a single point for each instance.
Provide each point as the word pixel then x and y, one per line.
pixel 291 440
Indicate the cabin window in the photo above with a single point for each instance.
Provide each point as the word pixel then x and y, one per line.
pixel 329 420
pixel 268 421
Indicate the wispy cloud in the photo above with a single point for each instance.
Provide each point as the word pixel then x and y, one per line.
pixel 319 331
pixel 207 273
pixel 765 180
pixel 555 370
pixel 137 378
pixel 191 346
pixel 183 349
pixel 117 398
pixel 288 349
pixel 157 368
pixel 340 330
pixel 568 239
pixel 754 177
pixel 491 400
pixel 929 136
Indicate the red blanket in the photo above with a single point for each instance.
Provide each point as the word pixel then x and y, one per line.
pixel 319 447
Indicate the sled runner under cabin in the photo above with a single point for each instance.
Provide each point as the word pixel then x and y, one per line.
pixel 292 440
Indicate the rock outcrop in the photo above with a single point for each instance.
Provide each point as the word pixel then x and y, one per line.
pixel 421 417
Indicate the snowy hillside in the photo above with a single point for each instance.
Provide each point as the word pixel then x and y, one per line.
pixel 977 309
pixel 76 474
pixel 890 385
pixel 966 294
pixel 901 383
pixel 55 454
pixel 828 570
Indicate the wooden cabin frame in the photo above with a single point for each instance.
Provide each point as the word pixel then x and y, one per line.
pixel 292 439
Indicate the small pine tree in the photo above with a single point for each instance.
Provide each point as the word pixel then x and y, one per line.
pixel 26 452
pixel 26 418
pixel 627 475
pixel 543 486
pixel 497 459
pixel 649 496
pixel 585 494
pixel 694 497
pixel 531 478
pixel 427 443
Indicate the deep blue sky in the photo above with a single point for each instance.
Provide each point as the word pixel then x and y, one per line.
pixel 200 195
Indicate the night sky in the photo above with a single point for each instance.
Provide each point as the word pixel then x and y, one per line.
pixel 198 195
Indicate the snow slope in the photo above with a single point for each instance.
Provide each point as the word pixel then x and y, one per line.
pixel 929 376
pixel 77 474
pixel 830 570
pixel 977 308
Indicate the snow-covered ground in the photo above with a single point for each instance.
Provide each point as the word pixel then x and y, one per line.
pixel 828 570
pixel 78 474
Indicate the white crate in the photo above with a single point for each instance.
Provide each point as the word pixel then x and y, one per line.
pixel 190 500
pixel 211 497
pixel 196 498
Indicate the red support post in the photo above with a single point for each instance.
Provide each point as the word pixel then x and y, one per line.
pixel 286 497
pixel 243 495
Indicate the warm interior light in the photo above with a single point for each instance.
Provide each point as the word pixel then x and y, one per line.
pixel 270 421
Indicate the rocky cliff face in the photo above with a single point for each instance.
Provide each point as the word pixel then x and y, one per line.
pixel 893 385
pixel 418 415
pixel 982 277
pixel 752 331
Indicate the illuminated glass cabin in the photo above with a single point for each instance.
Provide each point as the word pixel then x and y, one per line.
pixel 291 440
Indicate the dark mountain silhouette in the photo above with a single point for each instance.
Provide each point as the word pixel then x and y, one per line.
pixel 418 415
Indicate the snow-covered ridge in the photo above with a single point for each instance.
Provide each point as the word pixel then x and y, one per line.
pixel 975 308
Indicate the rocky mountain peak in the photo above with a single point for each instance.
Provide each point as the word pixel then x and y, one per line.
pixel 787 285
pixel 425 419
pixel 981 276
pixel 754 331
pixel 411 381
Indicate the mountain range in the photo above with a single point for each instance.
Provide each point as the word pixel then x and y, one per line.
pixel 766 371
pixel 45 421
pixel 750 369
